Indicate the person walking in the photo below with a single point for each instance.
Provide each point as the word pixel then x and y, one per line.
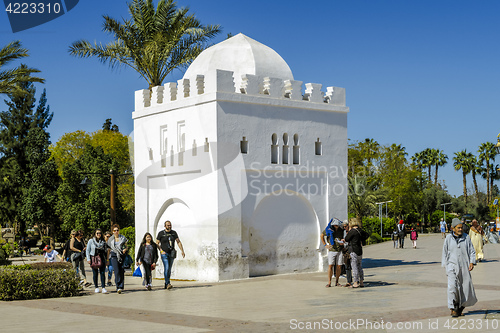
pixel 413 237
pixel 459 258
pixel 77 247
pixel 50 254
pixel 166 240
pixel 476 234
pixel 394 237
pixel 147 256
pixel 355 237
pixel 109 267
pixel 67 249
pixel 334 233
pixel 96 251
pixel 347 256
pixel 442 226
pixel 401 234
pixel 119 248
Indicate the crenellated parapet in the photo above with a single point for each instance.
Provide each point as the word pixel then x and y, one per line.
pixel 221 81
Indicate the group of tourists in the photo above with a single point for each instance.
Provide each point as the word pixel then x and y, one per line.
pixel 107 253
pixel 399 234
pixel 344 241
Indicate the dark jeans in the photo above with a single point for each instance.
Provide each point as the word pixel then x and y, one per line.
pixel 110 270
pixel 119 271
pixel 168 261
pixel 147 273
pixel 100 272
pixel 401 240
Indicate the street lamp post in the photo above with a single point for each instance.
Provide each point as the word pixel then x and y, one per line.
pixel 380 204
pixel 444 210
pixel 112 197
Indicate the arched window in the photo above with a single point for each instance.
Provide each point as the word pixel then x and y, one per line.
pixel 244 145
pixel 296 149
pixel 274 149
pixel 317 147
pixel 286 149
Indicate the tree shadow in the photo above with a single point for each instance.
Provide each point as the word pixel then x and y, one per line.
pixel 374 263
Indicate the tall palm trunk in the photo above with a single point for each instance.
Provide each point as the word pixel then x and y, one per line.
pixel 488 190
pixel 475 184
pixel 436 176
pixel 465 188
pixel 429 170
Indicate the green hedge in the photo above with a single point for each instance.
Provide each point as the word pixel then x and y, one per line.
pixel 41 280
pixel 374 239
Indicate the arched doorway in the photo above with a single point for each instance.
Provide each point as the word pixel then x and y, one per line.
pixel 283 235
pixel 183 222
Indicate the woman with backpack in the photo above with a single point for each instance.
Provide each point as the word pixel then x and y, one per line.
pixel 355 237
pixel 147 256
pixel 96 257
pixel 119 248
pixel 77 246
pixel 413 237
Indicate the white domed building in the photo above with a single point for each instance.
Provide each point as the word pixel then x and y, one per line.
pixel 246 163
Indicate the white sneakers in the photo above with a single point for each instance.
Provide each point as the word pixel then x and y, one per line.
pixel 119 291
pixel 104 291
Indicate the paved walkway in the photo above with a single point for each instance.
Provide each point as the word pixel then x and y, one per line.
pixel 405 292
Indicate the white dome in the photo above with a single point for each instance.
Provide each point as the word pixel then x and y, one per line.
pixel 241 55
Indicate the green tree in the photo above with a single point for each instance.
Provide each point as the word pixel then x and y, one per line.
pixel 87 207
pixel 361 196
pixel 15 126
pixel 10 79
pixel 487 154
pixel 462 162
pixel 440 159
pixel 40 185
pixel 398 180
pixel 153 42
pixel 69 148
pixel 109 126
pixel 475 169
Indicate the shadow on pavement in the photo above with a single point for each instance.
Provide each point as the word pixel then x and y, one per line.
pixel 373 263
pixel 369 284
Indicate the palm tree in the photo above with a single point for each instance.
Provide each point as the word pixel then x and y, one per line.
pixel 475 169
pixel 10 78
pixel 152 42
pixel 440 160
pixel 462 161
pixel 487 153
pixel 361 196
pixel 418 160
pixel 427 161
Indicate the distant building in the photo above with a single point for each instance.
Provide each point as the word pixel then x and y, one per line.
pixel 246 165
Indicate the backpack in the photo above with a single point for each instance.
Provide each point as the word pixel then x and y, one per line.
pixel 413 235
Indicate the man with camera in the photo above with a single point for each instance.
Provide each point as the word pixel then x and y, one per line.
pixel 166 241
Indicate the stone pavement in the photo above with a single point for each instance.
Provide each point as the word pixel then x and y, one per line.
pixel 405 292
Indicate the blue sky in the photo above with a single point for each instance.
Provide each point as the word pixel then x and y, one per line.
pixel 423 74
